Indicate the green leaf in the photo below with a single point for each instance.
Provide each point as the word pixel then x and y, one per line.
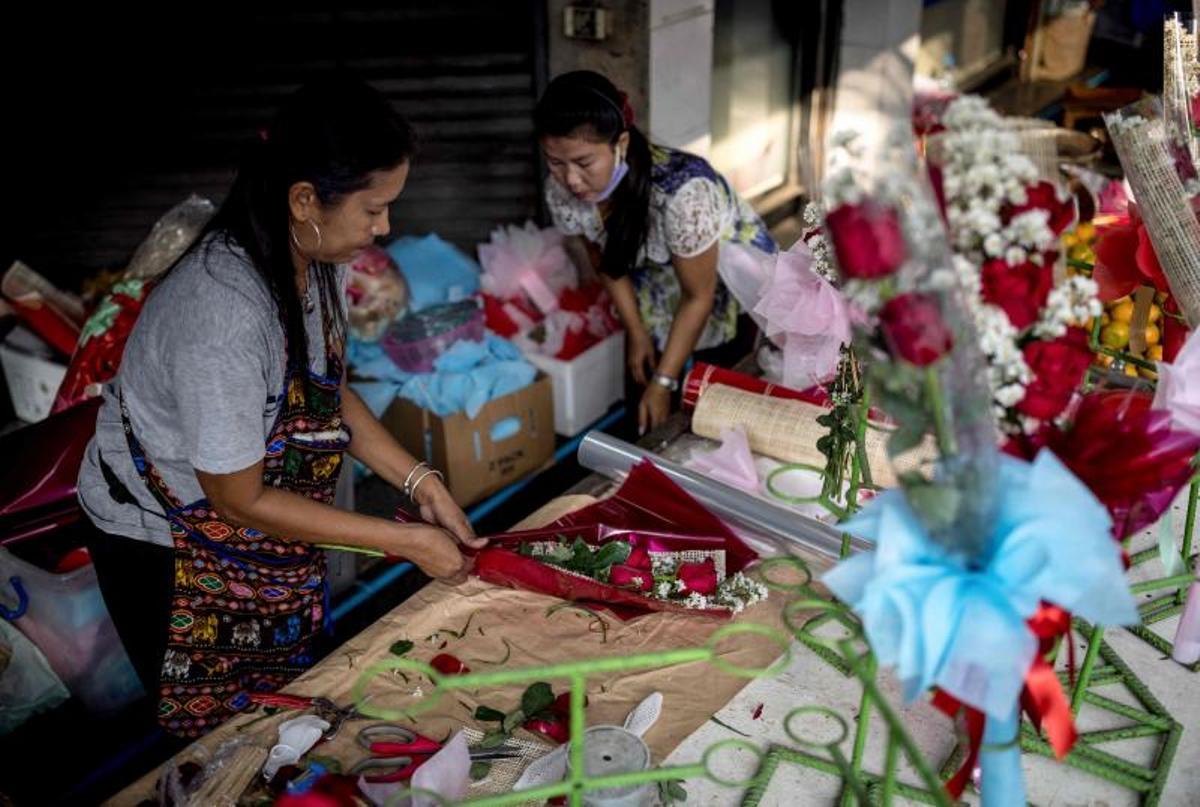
pixel 536 698
pixel 401 647
pixel 582 558
pixel 671 791
pixel 937 505
pixel 493 739
pixel 480 770
pixel 612 553
pixel 488 713
pixel 512 720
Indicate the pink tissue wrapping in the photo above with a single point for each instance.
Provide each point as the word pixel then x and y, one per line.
pixel 1178 389
pixel 732 463
pixel 529 261
pixel 806 316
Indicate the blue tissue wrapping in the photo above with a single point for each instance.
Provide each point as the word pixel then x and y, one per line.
pixel 944 621
pixel 437 272
pixel 465 378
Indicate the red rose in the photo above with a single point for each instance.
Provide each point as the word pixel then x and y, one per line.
pixel 1125 259
pixel 557 730
pixel 867 239
pixel 1058 368
pixel 1020 290
pixel 562 707
pixel 1044 196
pixel 629 577
pixel 639 558
pixel 447 664
pixel 913 328
pixel 700 577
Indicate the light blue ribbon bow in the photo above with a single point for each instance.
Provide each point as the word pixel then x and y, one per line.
pixel 959 624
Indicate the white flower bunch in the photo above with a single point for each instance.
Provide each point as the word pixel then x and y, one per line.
pixel 1071 303
pixel 983 171
pixel 740 592
pixel 814 239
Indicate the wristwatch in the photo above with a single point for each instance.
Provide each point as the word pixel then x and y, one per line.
pixel 664 380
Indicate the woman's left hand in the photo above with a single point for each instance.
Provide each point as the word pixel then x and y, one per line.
pixel 654 408
pixel 438 507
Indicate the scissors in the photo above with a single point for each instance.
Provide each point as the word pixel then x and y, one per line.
pixel 397 752
pixel 322 707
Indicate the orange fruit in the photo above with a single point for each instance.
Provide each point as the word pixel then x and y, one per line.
pixel 1115 335
pixel 1123 311
pixel 1155 314
pixel 1152 335
pixel 1154 353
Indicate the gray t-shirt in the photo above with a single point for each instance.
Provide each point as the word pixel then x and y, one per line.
pixel 202 376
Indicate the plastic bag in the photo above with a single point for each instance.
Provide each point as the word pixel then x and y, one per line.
pixel 378 294
pixel 27 684
pixel 64 615
pixel 102 343
pixel 170 236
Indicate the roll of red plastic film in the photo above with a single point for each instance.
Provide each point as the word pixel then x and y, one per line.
pixel 703 375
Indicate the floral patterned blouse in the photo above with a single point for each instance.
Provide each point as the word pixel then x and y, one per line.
pixel 691 208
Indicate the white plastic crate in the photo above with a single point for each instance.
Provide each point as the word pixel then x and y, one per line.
pixel 587 385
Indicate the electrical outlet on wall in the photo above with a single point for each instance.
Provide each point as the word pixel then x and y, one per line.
pixel 585 22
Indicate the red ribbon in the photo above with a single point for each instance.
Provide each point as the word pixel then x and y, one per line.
pixel 950 706
pixel 1042 698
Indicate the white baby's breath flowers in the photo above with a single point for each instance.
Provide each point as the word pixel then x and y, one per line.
pixel 1071 303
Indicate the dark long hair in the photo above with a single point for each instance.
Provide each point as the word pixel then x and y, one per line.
pixel 335 133
pixel 587 105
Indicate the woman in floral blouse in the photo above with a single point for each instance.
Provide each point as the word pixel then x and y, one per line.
pixel 660 225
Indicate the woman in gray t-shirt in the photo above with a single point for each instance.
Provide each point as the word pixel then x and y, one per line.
pixel 220 442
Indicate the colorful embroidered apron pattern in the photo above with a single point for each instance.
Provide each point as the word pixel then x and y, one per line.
pixel 246 605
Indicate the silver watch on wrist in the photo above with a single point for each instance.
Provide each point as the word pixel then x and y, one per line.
pixel 663 380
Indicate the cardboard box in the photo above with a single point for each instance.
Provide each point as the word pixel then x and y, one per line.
pixel 511 437
pixel 587 386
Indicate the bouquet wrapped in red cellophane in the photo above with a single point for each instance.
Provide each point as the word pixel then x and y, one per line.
pixel 649 547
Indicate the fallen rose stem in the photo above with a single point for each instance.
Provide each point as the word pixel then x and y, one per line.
pixel 1095 638
pixel 933 393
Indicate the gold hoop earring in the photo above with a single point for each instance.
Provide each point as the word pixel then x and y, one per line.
pixel 296 240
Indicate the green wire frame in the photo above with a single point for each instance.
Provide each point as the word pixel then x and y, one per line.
pixel 856 661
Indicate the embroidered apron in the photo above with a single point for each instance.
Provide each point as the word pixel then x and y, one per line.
pixel 246 605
